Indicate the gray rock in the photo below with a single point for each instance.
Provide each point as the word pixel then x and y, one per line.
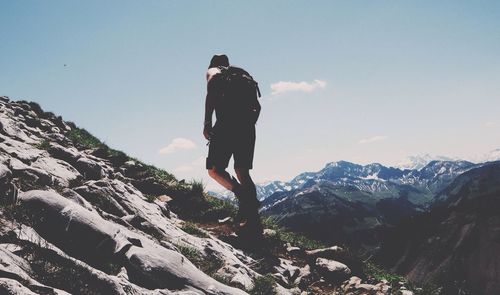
pixel 5 176
pixel 75 197
pixel 287 270
pixel 69 155
pixel 332 269
pixel 293 250
pixel 355 286
pixel 269 232
pixel 330 252
pixel 30 174
pixel 13 287
pixel 85 234
pixel 62 172
pixel 89 169
pixel 101 194
pixel 20 150
pixel 71 227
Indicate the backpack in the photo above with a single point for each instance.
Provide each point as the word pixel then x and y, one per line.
pixel 239 96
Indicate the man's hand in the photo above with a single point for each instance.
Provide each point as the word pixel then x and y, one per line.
pixel 207 131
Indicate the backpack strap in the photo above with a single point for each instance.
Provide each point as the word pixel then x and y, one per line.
pixel 257 87
pixel 232 69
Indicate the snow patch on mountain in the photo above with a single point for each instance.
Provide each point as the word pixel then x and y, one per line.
pixel 418 162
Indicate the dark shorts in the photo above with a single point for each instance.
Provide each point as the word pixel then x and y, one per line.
pixel 228 141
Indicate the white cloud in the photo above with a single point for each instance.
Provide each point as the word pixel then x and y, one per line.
pixel 177 144
pixel 287 86
pixel 372 139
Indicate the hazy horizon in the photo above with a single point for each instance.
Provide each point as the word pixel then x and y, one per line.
pixel 341 80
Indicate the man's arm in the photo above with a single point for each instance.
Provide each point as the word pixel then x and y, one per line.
pixel 209 107
pixel 256 110
pixel 209 110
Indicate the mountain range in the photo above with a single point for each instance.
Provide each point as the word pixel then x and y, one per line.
pixel 365 176
pixel 360 200
pixel 456 243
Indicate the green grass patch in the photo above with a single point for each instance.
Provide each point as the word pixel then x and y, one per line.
pixel 207 264
pixel 372 270
pixel 378 273
pixel 217 208
pixel 221 279
pixel 150 198
pixel 160 175
pixel 82 137
pixel 264 285
pixel 43 145
pixel 284 235
pixel 193 229
pixel 197 187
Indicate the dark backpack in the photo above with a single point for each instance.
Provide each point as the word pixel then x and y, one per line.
pixel 239 96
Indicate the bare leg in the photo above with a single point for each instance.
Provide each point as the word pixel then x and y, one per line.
pixel 223 178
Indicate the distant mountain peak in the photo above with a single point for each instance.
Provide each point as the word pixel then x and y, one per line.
pixel 491 156
pixel 418 162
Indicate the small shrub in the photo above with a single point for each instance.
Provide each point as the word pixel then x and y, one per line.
pixel 217 208
pixel 221 279
pixel 378 273
pixel 76 182
pixel 189 252
pixel 82 137
pixel 150 198
pixel 160 175
pixel 208 265
pixel 43 145
pixel 114 153
pixel 193 229
pixel 197 187
pixel 286 236
pixel 264 285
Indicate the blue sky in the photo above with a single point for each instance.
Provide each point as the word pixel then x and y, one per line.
pixel 381 80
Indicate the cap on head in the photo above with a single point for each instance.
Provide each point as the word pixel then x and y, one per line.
pixel 219 60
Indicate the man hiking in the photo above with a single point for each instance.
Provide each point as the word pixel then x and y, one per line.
pixel 233 94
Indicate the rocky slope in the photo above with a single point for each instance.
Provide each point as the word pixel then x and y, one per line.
pixel 88 219
pixel 456 244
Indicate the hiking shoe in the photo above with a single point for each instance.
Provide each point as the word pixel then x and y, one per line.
pixel 248 208
pixel 251 229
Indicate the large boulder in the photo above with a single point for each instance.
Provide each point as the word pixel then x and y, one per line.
pixel 90 169
pixel 330 252
pixel 102 195
pixel 28 174
pixel 13 287
pixel 68 154
pixel 5 177
pixel 62 172
pixel 332 270
pixel 80 232
pixel 84 234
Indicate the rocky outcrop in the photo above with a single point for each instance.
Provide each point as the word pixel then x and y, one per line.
pixel 354 286
pixel 90 214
